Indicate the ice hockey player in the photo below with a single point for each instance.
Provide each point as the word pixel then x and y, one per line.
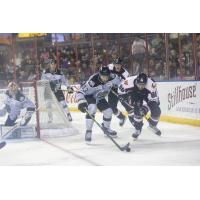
pixel 92 96
pixel 13 103
pixel 121 73
pixel 56 78
pixel 140 89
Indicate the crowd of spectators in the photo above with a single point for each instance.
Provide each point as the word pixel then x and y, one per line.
pixel 79 60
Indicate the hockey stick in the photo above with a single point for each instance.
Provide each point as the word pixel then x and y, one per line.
pixel 126 102
pixel 2 144
pixel 16 126
pixel 122 148
pixel 158 132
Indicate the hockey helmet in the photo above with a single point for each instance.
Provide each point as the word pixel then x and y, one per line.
pixel 104 73
pixel 141 81
pixel 117 61
pixel 12 88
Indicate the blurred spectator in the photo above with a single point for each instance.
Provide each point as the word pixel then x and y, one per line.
pixel 138 52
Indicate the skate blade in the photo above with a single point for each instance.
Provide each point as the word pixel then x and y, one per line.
pixel 158 133
pixel 115 136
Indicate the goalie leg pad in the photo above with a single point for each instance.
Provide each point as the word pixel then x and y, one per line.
pixel 9 121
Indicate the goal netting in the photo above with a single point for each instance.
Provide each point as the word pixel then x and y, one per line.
pixel 50 119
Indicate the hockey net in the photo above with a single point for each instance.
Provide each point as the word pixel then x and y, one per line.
pixel 49 120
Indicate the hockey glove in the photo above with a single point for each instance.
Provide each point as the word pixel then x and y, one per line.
pixel 70 89
pixel 82 105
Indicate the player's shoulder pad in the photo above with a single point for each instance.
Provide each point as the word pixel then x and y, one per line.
pixel 112 76
pixel 111 66
pixel 59 72
pixel 45 71
pixel 94 80
pixel 125 73
pixel 129 82
pixel 151 84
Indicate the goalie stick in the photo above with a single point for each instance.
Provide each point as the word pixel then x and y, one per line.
pixel 2 144
pixel 16 126
pixel 122 148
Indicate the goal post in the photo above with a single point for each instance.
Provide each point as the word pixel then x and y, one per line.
pixel 50 120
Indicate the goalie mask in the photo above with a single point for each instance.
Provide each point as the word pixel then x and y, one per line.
pixel 141 81
pixel 12 88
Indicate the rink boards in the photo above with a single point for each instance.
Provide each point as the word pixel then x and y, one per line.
pixel 179 101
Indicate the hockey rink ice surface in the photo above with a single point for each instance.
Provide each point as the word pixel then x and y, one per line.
pixel 178 145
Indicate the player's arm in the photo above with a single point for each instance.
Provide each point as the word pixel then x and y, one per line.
pixel 153 92
pixel 123 95
pixel 65 82
pixel 43 76
pixel 86 89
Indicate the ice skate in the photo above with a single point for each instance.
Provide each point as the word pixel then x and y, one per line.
pixel 154 129
pixel 69 117
pixel 88 136
pixel 136 134
pixel 108 131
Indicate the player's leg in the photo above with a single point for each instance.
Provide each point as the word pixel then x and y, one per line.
pixel 49 111
pixel 155 116
pixel 61 98
pixel 92 108
pixel 11 119
pixel 113 101
pixel 104 107
pixel 137 120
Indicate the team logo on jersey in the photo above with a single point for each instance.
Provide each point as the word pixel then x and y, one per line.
pixel 125 82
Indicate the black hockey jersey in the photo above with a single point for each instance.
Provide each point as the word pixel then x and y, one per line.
pixel 128 87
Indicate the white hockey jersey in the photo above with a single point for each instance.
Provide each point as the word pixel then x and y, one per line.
pixel 55 79
pixel 148 94
pixel 14 105
pixel 121 75
pixel 95 88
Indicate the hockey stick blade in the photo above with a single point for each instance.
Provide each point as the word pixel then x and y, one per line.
pixel 2 144
pixel 126 148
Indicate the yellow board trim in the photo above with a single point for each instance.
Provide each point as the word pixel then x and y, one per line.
pixel 176 120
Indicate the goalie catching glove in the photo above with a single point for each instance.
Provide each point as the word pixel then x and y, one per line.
pixel 82 105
